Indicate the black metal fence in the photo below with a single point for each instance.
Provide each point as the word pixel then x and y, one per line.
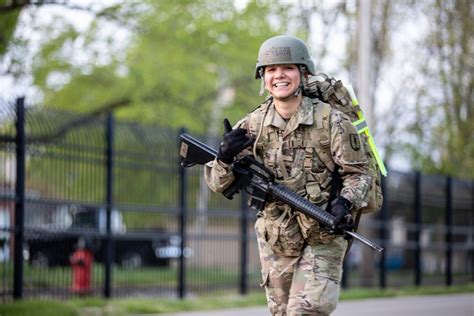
pixel 154 229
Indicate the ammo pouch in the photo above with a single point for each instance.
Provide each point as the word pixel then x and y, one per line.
pixel 282 231
pixel 312 232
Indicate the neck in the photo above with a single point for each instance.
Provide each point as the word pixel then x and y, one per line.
pixel 286 108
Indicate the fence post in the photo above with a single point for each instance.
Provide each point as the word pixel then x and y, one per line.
pixel 19 199
pixel 243 244
pixel 383 235
pixel 418 218
pixel 449 231
pixel 109 153
pixel 182 225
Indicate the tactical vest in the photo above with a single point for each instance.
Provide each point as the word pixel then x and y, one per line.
pixel 309 173
pixel 310 139
pixel 308 153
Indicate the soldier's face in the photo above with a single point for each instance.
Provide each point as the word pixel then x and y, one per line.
pixel 282 80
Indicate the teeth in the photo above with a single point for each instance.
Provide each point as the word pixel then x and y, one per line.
pixel 280 84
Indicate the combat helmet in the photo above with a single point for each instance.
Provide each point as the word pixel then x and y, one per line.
pixel 283 49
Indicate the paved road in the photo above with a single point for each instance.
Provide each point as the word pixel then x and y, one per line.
pixel 433 305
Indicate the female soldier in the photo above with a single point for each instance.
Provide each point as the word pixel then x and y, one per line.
pixel 305 143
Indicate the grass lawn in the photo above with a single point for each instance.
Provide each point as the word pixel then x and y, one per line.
pixel 118 307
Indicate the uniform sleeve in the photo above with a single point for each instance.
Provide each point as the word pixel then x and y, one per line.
pixel 218 175
pixel 348 153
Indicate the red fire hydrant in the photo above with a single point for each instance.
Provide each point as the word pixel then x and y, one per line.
pixel 81 262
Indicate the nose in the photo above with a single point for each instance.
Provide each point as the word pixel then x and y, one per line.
pixel 279 72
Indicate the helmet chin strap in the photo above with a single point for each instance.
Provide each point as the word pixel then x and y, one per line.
pixel 298 91
pixel 262 85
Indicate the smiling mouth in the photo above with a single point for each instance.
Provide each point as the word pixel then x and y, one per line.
pixel 281 84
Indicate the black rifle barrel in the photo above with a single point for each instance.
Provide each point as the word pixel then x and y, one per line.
pixel 364 240
pixel 287 196
pixel 283 194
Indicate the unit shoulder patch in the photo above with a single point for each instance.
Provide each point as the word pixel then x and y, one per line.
pixel 355 141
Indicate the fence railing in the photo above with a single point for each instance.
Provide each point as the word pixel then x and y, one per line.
pixel 71 181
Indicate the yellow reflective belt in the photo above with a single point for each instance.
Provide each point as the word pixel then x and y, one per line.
pixel 362 127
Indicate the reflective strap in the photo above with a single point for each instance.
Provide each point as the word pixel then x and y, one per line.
pixel 352 95
pixel 366 130
pixel 360 125
pixel 374 150
pixel 373 147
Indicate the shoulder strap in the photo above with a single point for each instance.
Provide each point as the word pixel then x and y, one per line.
pixel 320 133
pixel 255 123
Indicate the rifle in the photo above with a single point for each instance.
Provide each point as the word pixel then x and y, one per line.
pixel 259 182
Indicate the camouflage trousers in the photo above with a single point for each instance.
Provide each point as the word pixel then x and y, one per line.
pixel 305 285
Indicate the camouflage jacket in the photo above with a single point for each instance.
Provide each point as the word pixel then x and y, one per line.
pixel 302 164
pixel 302 153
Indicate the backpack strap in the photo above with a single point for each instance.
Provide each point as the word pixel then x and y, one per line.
pixel 255 123
pixel 319 136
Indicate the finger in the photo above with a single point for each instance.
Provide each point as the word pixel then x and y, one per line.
pixel 227 126
pixel 238 131
pixel 249 142
pixel 242 144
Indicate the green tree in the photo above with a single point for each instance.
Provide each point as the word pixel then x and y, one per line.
pixel 444 104
pixel 8 22
pixel 178 58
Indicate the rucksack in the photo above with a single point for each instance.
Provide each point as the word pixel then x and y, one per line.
pixel 333 92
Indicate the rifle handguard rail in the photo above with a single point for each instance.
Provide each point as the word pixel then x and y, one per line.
pixel 302 205
pixel 286 196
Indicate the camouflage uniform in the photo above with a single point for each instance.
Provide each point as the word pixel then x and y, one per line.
pixel 301 262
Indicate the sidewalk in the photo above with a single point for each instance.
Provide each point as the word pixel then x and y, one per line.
pixel 432 305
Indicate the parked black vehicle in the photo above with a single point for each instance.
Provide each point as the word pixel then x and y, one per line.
pixel 48 245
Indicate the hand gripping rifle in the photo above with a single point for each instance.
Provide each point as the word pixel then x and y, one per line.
pixel 259 182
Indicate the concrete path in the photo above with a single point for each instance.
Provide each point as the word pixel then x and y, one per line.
pixel 432 305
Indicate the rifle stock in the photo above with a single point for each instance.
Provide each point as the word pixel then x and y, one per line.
pixel 193 152
pixel 257 180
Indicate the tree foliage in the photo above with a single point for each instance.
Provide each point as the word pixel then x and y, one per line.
pixel 178 57
pixel 444 104
pixel 8 22
pixel 170 62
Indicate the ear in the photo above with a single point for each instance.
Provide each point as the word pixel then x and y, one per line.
pixel 304 71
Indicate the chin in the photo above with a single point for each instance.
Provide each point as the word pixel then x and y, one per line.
pixel 282 95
